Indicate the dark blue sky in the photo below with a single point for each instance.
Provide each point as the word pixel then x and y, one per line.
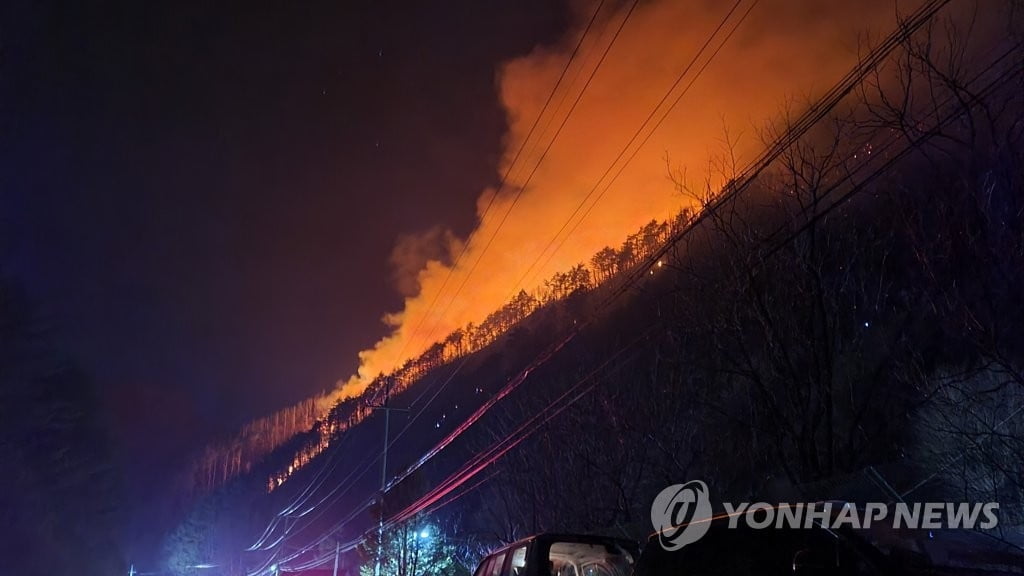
pixel 201 197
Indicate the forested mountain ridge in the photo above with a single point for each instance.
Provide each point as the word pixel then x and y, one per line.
pixel 222 461
pixel 843 323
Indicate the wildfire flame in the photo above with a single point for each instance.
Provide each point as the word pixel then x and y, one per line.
pixel 785 51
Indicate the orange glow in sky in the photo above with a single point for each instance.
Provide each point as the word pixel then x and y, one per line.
pixel 785 51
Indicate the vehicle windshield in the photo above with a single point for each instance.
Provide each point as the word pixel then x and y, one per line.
pixel 579 559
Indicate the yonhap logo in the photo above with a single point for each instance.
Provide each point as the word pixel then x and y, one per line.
pixel 681 515
pixel 677 514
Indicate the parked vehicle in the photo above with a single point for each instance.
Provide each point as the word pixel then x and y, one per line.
pixel 562 555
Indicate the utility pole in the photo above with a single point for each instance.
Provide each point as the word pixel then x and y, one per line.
pixel 386 407
pixel 337 552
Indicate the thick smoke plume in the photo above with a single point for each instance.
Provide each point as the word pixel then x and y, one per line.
pixel 784 52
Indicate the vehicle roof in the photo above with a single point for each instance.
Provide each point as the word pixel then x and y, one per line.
pixel 567 537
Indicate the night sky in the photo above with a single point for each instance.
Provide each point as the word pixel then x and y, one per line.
pixel 201 199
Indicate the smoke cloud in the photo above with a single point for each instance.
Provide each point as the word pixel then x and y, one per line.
pixel 415 253
pixel 785 51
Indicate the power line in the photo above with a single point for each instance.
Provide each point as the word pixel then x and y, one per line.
pixel 639 130
pixel 483 459
pixel 911 147
pixel 288 512
pixel 514 382
pixel 645 139
pixel 318 479
pixel 518 195
pixel 487 209
pixel 508 211
pixel 842 88
pixel 811 117
pixel 529 178
pixel 497 450
pixel 679 78
pixel 504 178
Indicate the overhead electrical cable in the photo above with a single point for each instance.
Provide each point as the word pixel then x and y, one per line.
pixel 795 131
